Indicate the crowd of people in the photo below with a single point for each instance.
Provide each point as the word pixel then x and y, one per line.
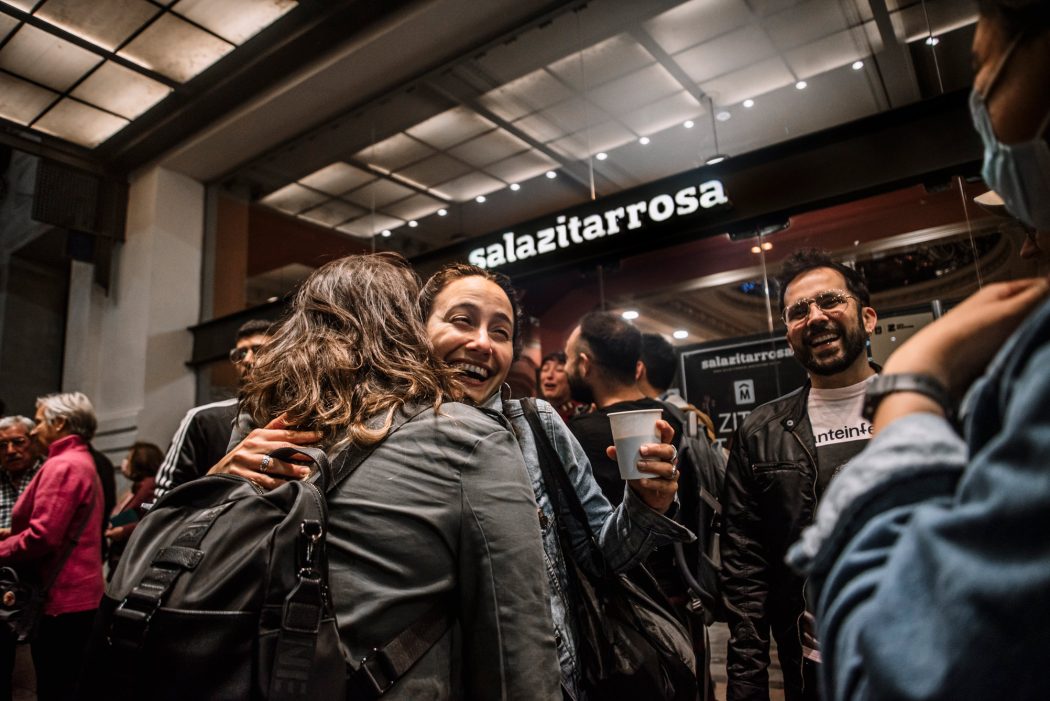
pixel 885 527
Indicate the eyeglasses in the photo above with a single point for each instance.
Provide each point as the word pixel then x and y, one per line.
pixel 829 301
pixel 19 442
pixel 237 355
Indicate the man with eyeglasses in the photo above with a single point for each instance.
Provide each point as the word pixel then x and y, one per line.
pixel 204 434
pixel 20 458
pixel 782 458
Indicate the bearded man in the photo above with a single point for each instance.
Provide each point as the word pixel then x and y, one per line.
pixel 782 458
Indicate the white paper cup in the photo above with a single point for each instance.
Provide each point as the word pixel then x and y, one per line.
pixel 630 430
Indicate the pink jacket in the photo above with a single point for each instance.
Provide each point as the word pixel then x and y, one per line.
pixel 45 519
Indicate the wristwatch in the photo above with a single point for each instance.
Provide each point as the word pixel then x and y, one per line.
pixel 926 385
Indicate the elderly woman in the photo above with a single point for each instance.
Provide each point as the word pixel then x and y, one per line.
pixel 56 530
pixel 434 516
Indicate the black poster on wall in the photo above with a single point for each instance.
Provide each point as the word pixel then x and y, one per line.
pixel 729 379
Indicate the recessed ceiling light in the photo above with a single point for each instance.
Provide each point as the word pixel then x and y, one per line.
pixel 601 156
pixel 272 299
pixel 413 224
pixel 801 85
pixel 756 249
pixel 515 187
pixel 680 334
pixel 480 199
pixel 767 246
pixel 857 65
pixel 688 124
pixel 386 233
pixel 644 141
pixel 749 103
pixel 630 315
pixel 717 158
pixel 442 212
pixel 932 41
pixel 723 116
pixel 551 174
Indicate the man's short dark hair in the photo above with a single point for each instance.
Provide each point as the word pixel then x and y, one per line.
pixel 659 358
pixel 557 356
pixel 808 259
pixel 614 344
pixel 253 327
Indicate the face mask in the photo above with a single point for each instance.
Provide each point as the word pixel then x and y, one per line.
pixel 1020 173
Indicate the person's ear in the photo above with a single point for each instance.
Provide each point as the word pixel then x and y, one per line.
pixel 583 362
pixel 870 318
pixel 59 424
pixel 640 374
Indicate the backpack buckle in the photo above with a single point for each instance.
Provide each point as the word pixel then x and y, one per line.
pixel 377 669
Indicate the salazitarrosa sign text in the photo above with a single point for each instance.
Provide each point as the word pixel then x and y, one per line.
pixel 572 231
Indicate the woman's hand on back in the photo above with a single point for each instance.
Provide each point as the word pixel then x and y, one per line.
pixel 250 458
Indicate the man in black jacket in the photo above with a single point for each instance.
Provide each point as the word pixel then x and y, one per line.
pixel 782 457
pixel 204 434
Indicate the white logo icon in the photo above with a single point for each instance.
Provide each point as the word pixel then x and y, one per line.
pixel 744 391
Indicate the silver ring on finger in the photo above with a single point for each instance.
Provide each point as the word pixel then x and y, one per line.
pixel 674 456
pixel 674 474
pixel 264 466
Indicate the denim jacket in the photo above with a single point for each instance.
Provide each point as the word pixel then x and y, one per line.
pixel 930 556
pixel 626 535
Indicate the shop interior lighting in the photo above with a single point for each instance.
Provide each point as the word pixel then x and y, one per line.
pixel 932 41
pixel 630 315
pixel 644 141
pixel 680 334
pixel 801 85
pixel 688 124
pixel 857 65
pixel 442 212
pixel 551 174
pixel 271 300
pixel 480 199
pixel 601 156
pixel 386 233
pixel 724 116
pixel 713 160
pixel 749 103
pixel 766 246
pixel 515 187
pixel 413 224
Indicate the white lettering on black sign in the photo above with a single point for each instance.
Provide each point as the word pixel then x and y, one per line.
pixel 572 231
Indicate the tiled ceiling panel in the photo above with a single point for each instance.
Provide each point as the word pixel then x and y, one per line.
pixel 825 54
pixel 370 225
pixel 575 114
pixel 79 123
pixel 235 21
pixel 332 213
pixel 601 63
pixel 378 194
pixel 435 170
pixel 106 23
pixel 7 23
pixel 662 114
pixel 525 95
pixel 469 186
pixel 520 168
pixel 749 82
pixel 488 148
pixel 394 153
pixel 540 127
pixel 293 198
pixel 337 178
pixel 22 102
pixel 121 90
pixel 175 48
pixel 450 128
pixel 730 52
pixel 697 21
pixel 636 89
pixel 415 207
pixel 46 59
pixel 806 23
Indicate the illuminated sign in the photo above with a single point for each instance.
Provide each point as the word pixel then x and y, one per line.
pixel 573 230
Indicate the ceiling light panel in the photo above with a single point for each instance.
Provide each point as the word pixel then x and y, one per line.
pixel 521 167
pixel 489 148
pixel 415 207
pixel 105 23
pixel 540 127
pixel 662 114
pixel 602 62
pixel 435 170
pixel 634 90
pixel 748 82
pixel 24 5
pixel 525 95
pixel 805 23
pixel 234 20
pixel 451 127
pixel 7 23
pixel 731 52
pixel 22 102
pixel 824 54
pixel 337 178
pixel 293 198
pixel 43 58
pixel 394 153
pixel 173 47
pixel 575 114
pixel 118 89
pixel 332 213
pixel 469 186
pixel 697 21
pixel 79 123
pixel 370 225
pixel 602 137
pixel 378 194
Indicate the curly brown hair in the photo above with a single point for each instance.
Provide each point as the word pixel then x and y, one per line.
pixel 144 460
pixel 352 348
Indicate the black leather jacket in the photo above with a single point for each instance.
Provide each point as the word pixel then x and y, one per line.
pixel 770 496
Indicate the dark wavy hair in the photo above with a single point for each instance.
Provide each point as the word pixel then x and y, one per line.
pixel 144 460
pixel 456 271
pixel 806 259
pixel 352 348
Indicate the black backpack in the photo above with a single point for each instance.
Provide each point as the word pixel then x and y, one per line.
pixel 700 564
pixel 222 593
